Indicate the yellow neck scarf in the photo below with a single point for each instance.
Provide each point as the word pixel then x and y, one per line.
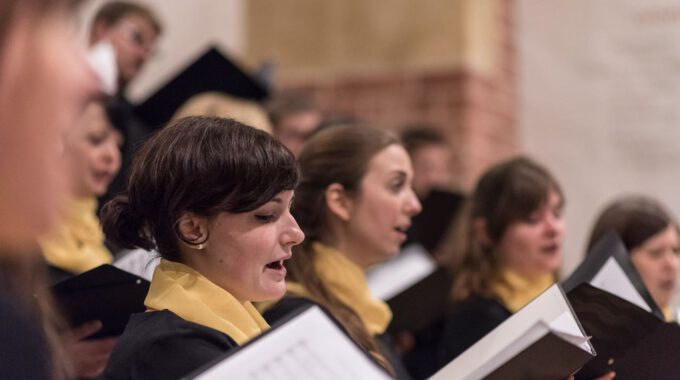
pixel 191 296
pixel 517 291
pixel 77 244
pixel 668 313
pixel 347 281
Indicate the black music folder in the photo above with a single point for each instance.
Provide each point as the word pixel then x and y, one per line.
pixel 431 226
pixel 211 71
pixel 608 267
pixel 629 340
pixel 104 293
pixel 308 345
pixel 414 286
pixel 543 340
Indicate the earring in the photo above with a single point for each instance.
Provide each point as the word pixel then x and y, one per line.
pixel 197 243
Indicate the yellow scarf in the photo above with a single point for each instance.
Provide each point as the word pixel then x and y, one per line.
pixel 77 244
pixel 668 313
pixel 187 293
pixel 347 281
pixel 518 290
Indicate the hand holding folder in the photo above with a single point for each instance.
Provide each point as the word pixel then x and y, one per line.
pixel 105 294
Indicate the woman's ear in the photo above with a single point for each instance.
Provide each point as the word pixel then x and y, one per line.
pixel 482 233
pixel 193 230
pixel 338 201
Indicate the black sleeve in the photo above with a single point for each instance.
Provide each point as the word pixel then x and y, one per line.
pixel 176 355
pixel 466 325
pixel 24 350
pixel 285 306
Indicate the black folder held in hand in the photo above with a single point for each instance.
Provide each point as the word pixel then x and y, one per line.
pixel 105 293
pixel 627 326
pixel 543 340
pixel 211 71
pixel 414 286
pixel 607 266
pixel 629 340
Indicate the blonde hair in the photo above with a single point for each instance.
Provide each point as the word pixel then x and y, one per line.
pixel 221 105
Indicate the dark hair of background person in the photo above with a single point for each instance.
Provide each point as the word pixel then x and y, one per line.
pixel 199 164
pixel 416 136
pixel 506 193
pixel 336 155
pixel 635 219
pixel 110 13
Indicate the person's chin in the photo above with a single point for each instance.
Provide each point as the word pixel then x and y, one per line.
pixel 275 291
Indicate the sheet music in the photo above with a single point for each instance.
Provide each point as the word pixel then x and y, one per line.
pixel 394 276
pixel 309 347
pixel 566 325
pixel 613 279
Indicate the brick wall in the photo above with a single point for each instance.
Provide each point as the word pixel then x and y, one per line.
pixel 476 111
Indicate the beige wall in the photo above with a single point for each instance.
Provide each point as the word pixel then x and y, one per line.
pixel 600 90
pixel 308 37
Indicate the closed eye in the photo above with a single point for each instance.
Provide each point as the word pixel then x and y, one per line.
pixel 266 218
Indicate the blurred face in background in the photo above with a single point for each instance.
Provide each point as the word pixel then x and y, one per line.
pixel 44 86
pixel 294 129
pixel 657 261
pixel 92 151
pixel 134 40
pixel 532 247
pixel 431 168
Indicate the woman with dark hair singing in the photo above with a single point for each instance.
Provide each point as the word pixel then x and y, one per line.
pixel 213 197
pixel 506 250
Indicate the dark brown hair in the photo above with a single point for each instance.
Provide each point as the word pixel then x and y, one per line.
pixel 110 13
pixel 634 218
pixel 414 137
pixel 335 155
pixel 507 192
pixel 198 164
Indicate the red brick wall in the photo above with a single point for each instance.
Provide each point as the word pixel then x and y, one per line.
pixel 477 112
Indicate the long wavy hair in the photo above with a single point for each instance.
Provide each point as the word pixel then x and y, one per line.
pixel 335 155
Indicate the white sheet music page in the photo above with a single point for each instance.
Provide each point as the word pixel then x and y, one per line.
pixel 613 279
pixel 394 276
pixel 308 347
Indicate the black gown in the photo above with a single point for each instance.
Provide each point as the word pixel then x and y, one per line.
pixel 469 321
pixel 161 345
pixel 25 353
